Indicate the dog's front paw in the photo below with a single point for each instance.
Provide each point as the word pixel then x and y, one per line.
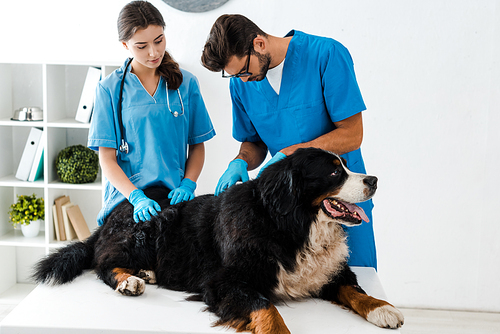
pixel 386 316
pixel 132 286
pixel 148 276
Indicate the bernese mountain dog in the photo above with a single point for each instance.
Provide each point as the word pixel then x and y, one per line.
pixel 273 239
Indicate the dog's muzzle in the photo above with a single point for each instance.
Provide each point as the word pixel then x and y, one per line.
pixel 336 208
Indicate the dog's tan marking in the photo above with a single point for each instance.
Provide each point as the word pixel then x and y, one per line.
pixel 321 259
pixel 267 321
pixel 121 274
pixel 376 311
pixel 264 321
pixel 321 198
pixel 127 284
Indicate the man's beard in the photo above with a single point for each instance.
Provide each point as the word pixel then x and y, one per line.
pixel 264 62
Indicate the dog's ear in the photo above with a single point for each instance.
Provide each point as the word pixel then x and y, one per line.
pixel 280 188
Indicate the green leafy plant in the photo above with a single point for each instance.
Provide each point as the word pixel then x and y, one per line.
pixel 77 164
pixel 26 209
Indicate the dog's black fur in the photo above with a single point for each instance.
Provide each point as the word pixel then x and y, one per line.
pixel 226 250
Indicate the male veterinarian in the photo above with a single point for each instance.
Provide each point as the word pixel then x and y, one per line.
pixel 290 92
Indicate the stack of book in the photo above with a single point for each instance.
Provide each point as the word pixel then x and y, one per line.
pixel 31 165
pixel 69 222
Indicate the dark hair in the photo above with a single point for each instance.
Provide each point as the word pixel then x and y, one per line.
pixel 138 15
pixel 231 35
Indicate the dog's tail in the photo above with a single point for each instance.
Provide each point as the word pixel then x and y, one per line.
pixel 67 263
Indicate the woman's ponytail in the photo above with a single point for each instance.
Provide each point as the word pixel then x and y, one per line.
pixel 169 69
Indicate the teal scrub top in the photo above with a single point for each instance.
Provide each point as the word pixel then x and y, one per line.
pixel 318 88
pixel 158 141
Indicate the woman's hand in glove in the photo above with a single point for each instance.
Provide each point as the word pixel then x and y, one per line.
pixel 185 192
pixel 144 207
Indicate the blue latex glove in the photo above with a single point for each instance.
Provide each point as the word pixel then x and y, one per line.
pixel 277 157
pixel 144 206
pixel 236 171
pixel 185 192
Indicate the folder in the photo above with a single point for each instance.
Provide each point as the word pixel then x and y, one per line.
pixel 37 166
pixel 86 105
pixel 79 224
pixel 23 171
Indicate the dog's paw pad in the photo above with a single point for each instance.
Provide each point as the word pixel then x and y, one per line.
pixel 132 286
pixel 148 276
pixel 386 316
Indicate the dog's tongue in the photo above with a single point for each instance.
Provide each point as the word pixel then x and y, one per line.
pixel 354 208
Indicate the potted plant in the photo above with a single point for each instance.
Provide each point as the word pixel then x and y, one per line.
pixel 28 211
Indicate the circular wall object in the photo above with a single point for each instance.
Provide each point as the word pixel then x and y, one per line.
pixel 195 6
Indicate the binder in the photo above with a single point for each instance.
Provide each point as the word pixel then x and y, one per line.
pixel 23 171
pixel 79 224
pixel 37 166
pixel 86 105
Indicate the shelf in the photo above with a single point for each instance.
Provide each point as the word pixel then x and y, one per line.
pixel 62 123
pixel 11 181
pixel 56 87
pixel 16 238
pixel 96 185
pixel 68 123
pixel 9 122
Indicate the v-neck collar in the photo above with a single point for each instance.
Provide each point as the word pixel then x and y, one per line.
pixel 280 101
pixel 129 72
pixel 145 90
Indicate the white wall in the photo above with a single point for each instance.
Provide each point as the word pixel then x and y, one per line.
pixel 430 75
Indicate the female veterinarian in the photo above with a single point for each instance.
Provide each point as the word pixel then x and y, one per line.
pixel 150 122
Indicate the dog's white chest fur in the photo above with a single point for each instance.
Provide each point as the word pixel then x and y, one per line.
pixel 316 263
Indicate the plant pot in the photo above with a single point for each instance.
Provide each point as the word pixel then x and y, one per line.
pixel 31 230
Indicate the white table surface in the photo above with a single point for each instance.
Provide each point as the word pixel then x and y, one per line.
pixel 89 306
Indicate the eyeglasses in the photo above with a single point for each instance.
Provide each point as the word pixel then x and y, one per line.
pixel 242 74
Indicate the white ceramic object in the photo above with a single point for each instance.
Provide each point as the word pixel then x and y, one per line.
pixel 31 230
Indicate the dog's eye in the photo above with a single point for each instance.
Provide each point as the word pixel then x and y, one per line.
pixel 335 172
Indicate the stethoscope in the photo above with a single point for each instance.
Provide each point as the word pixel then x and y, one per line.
pixel 124 146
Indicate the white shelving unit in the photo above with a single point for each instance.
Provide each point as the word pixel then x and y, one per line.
pixel 56 88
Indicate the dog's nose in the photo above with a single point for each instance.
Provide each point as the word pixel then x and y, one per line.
pixel 371 181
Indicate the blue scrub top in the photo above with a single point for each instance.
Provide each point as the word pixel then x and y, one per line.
pixel 318 88
pixel 158 141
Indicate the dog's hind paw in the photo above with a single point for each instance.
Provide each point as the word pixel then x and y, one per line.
pixel 132 286
pixel 147 275
pixel 386 316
